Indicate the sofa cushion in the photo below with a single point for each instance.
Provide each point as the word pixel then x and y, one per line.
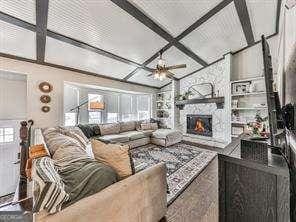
pixel 114 155
pixel 164 133
pixel 113 138
pixel 61 146
pixel 127 126
pixel 89 130
pixel 109 128
pixel 149 126
pixel 138 123
pixel 134 135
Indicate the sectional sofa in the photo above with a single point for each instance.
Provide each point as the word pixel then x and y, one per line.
pixel 131 133
pixel 140 197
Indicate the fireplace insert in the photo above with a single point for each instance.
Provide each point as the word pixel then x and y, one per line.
pixel 199 125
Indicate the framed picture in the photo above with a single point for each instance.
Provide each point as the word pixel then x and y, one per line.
pixel 241 87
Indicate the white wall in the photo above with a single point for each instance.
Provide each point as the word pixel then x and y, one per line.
pixel 39 73
pixel 249 62
pixel 13 96
pixel 219 75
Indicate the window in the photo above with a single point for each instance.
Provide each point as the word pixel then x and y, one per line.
pixel 126 107
pixel 143 107
pixel 126 117
pixel 112 117
pixel 6 135
pixel 94 117
pixel 143 115
pixel 70 119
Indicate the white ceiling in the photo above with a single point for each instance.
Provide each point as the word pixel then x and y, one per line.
pixel 64 54
pixel 102 24
pixel 17 41
pixel 217 36
pixel 262 14
pixel 22 9
pixel 175 15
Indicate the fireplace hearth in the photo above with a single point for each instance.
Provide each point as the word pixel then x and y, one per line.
pixel 199 125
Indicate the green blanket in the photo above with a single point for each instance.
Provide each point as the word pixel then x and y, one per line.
pixel 84 177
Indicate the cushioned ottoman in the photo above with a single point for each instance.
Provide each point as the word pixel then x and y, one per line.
pixel 166 137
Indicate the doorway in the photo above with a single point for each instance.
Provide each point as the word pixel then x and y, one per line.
pixel 13 110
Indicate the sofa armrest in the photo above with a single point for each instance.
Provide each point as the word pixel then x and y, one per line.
pixel 141 197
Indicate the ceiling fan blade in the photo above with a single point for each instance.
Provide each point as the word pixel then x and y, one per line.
pixel 176 67
pixel 170 75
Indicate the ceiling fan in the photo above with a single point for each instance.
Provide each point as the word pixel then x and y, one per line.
pixel 162 71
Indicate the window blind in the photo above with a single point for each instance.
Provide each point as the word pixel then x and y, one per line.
pixel 126 104
pixel 112 103
pixel 143 103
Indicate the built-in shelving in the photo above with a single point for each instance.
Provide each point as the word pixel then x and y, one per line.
pixel 248 79
pixel 249 94
pixel 248 108
pixel 244 104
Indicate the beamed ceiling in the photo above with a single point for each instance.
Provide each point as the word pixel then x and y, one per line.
pixel 121 39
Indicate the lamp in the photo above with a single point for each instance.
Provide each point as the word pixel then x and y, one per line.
pixel 96 105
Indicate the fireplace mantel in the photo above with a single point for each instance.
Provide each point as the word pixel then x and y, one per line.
pixel 218 100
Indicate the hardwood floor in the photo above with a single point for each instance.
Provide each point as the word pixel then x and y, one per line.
pixel 199 202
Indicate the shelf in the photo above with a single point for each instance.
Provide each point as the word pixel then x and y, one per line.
pixel 248 94
pixel 164 109
pixel 248 108
pixel 218 100
pixel 238 123
pixel 249 79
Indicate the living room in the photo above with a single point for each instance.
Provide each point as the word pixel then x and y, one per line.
pixel 147 110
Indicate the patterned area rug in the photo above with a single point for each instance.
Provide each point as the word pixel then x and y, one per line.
pixel 184 163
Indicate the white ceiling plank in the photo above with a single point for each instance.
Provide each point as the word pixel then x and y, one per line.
pixel 263 17
pixel 175 15
pixel 104 25
pixel 60 53
pixel 22 9
pixel 17 41
pixel 174 56
pixel 143 78
pixel 217 36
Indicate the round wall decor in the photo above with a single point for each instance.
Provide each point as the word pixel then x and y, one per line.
pixel 45 109
pixel 45 87
pixel 45 98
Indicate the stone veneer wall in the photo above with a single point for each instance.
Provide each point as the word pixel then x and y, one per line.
pixel 219 75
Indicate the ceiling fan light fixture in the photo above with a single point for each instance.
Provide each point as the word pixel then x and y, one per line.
pixel 161 62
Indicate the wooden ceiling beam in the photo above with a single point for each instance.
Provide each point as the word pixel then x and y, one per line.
pixel 243 14
pixel 144 19
pixel 176 40
pixel 41 28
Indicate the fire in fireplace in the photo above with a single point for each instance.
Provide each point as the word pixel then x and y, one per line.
pixel 199 125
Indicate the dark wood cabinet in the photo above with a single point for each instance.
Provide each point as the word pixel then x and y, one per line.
pixel 253 192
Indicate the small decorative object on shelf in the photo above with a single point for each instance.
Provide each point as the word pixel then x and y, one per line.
pixel 45 98
pixel 241 87
pixel 45 87
pixel 258 129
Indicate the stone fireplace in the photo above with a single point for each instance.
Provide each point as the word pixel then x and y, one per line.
pixel 199 125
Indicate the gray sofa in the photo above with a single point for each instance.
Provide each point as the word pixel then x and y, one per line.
pixel 130 133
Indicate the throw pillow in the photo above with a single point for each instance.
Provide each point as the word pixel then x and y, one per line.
pixel 110 128
pixel 114 155
pixel 149 126
pixel 75 133
pixel 127 126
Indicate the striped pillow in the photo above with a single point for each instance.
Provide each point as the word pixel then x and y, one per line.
pixel 49 193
